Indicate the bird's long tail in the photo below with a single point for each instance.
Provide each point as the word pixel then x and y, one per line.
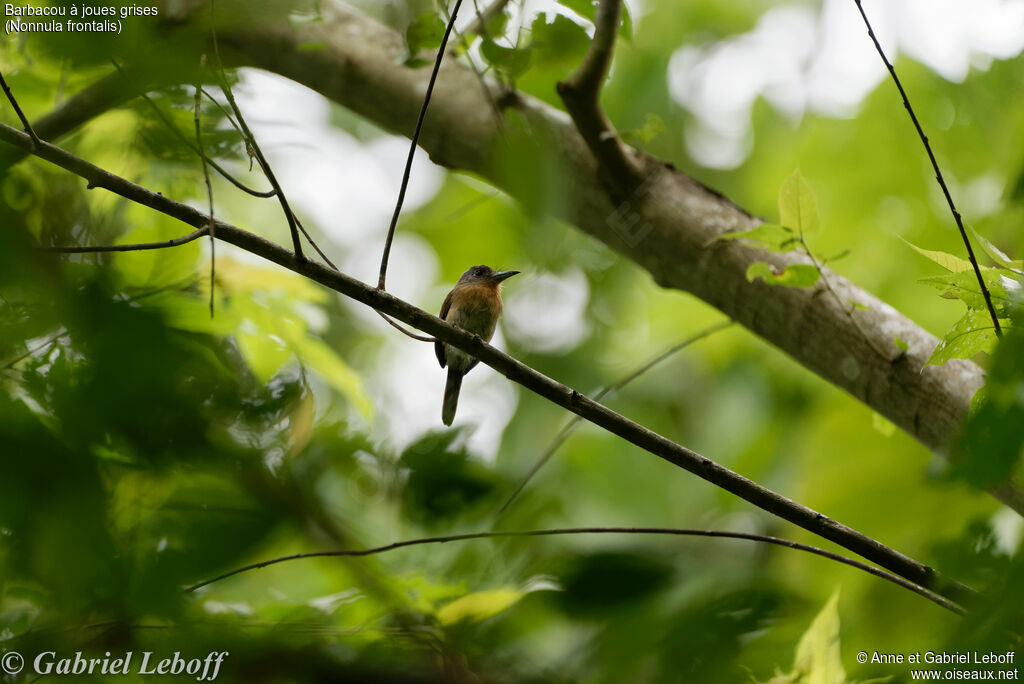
pixel 451 395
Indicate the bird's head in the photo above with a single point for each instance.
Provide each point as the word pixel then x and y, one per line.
pixel 484 274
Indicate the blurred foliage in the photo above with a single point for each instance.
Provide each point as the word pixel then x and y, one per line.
pixel 148 446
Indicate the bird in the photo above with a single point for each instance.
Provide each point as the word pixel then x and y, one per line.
pixel 474 305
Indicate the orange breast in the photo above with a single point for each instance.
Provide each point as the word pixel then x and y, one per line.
pixel 475 308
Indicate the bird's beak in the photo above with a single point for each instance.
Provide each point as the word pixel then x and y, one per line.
pixel 503 275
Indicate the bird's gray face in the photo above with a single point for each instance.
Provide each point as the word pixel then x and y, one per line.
pixel 478 274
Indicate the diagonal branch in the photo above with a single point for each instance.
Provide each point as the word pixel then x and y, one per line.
pixel 17 109
pixel 131 247
pixel 515 370
pixel 209 191
pixel 484 16
pixel 938 173
pixel 250 140
pixel 570 426
pixel 673 531
pixel 582 97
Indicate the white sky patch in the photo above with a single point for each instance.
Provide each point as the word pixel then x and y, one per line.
pixel 545 312
pixel 800 60
pixel 349 188
pixel 409 381
pixel 1008 528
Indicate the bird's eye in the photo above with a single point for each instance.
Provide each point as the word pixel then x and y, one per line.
pixel 479 271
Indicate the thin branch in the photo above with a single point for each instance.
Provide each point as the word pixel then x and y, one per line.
pixel 209 193
pixel 405 331
pixel 213 163
pixel 537 382
pixel 250 140
pixel 679 532
pixel 13 362
pixel 484 16
pixel 178 134
pixel 495 108
pixel 412 147
pixel 581 95
pixel 569 427
pixel 845 306
pixel 938 173
pixel 133 247
pixel 17 108
pixel 316 247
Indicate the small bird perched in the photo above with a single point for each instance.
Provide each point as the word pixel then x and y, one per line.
pixel 474 305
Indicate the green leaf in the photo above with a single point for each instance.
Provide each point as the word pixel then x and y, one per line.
pixel 480 605
pixel 652 127
pixel 425 31
pixel 946 261
pixel 157 268
pixel 998 256
pixel 798 209
pixel 558 47
pixel 818 660
pixel 264 354
pixel 885 426
pixel 588 10
pixel 510 61
pixel 771 236
pixel 972 334
pixel 964 286
pixel 794 275
pixel 315 354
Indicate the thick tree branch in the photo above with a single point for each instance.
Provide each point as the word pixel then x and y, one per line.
pixel 582 97
pixel 672 531
pixel 514 370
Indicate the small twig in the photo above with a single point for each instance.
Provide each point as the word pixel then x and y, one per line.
pixel 209 192
pixel 178 134
pixel 408 333
pixel 938 173
pixel 17 108
pixel 679 532
pixel 495 108
pixel 30 352
pixel 315 246
pixel 250 140
pixel 213 163
pixel 567 430
pixel 134 247
pixel 581 95
pixel 225 112
pixel 845 306
pixel 412 147
pixel 483 16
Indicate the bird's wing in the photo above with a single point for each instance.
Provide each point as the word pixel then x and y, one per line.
pixel 439 346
